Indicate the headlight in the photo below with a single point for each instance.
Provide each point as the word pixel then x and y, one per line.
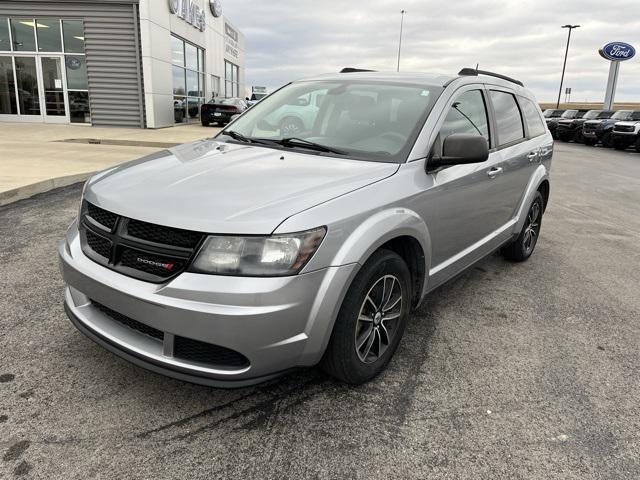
pixel 273 256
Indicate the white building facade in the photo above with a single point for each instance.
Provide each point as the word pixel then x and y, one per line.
pixel 142 63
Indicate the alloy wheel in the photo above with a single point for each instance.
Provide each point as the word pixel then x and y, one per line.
pixel 532 228
pixel 378 318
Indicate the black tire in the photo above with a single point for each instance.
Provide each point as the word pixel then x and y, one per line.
pixel 563 137
pixel 342 360
pixel 590 142
pixel 522 247
pixel 619 146
pixel 577 137
pixel 606 140
pixel 637 145
pixel 205 123
pixel 291 127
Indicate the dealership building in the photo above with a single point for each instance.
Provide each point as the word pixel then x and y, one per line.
pixel 133 63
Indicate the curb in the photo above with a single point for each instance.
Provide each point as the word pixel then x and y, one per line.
pixel 27 191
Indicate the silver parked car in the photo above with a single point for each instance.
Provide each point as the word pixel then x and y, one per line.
pixel 231 260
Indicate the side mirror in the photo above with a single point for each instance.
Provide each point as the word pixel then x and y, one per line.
pixel 462 148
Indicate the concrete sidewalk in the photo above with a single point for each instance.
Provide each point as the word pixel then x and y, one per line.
pixel 35 158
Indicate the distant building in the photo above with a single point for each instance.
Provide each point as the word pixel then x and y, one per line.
pixel 137 63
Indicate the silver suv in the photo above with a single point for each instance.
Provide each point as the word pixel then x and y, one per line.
pixel 231 260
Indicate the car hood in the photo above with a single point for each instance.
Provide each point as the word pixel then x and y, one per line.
pixel 628 122
pixel 218 187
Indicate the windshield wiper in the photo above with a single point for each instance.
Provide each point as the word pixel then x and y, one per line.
pixel 241 138
pixel 301 142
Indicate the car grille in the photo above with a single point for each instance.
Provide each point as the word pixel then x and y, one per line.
pixel 201 352
pixel 184 348
pixel 624 128
pixel 103 217
pixel 130 322
pixel 589 128
pixel 142 250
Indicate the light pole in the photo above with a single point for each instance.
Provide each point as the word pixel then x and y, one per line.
pixel 564 65
pixel 402 12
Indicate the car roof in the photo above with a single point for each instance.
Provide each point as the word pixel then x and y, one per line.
pixel 430 79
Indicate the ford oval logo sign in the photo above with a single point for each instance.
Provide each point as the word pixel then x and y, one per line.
pixel 617 51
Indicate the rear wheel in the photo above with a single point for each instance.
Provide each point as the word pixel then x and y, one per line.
pixel 522 247
pixel 371 321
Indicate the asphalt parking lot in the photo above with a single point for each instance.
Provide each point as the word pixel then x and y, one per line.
pixel 510 371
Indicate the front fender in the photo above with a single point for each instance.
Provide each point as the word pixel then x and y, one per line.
pixel 351 251
pixel 380 228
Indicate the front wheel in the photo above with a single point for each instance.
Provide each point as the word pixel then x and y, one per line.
pixel 371 320
pixel 590 142
pixel 522 247
pixel 606 140
pixel 205 123
pixel 637 145
pixel 578 137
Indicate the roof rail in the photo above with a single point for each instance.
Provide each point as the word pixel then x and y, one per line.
pixel 475 72
pixel 353 70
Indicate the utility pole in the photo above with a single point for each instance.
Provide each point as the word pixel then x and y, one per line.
pixel 564 65
pixel 402 12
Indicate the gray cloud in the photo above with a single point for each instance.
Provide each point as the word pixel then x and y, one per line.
pixel 291 39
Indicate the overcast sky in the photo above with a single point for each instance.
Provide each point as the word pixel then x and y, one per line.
pixel 290 39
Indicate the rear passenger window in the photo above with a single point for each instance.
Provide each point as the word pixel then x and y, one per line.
pixel 532 117
pixel 468 114
pixel 508 117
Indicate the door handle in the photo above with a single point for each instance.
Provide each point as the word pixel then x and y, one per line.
pixel 494 172
pixel 532 156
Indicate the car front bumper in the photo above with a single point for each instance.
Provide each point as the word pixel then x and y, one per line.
pixel 277 323
pixel 626 138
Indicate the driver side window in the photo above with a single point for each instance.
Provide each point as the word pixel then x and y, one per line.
pixel 468 114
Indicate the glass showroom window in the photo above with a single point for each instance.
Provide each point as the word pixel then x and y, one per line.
pixel 188 80
pixel 231 79
pixel 55 45
pixel 76 70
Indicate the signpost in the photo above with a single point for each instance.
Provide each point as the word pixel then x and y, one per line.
pixel 616 52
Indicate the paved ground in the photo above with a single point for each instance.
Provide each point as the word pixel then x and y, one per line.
pixel 33 153
pixel 511 371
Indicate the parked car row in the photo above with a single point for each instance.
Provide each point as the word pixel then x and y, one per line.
pixel 610 128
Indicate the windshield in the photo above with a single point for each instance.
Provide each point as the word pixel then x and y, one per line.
pixel 258 96
pixel 635 115
pixel 570 114
pixel 353 119
pixel 622 114
pixel 592 114
pixel 224 101
pixel 552 113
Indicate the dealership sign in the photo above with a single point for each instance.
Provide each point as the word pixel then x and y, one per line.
pixel 230 40
pixel 617 51
pixel 189 11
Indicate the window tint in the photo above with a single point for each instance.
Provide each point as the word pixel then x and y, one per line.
pixel 22 31
pixel 73 33
pixel 4 34
pixel 508 117
pixel 531 115
pixel 49 35
pixel 468 114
